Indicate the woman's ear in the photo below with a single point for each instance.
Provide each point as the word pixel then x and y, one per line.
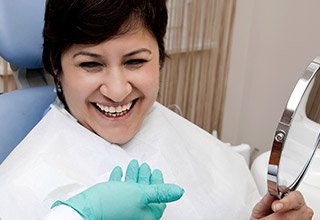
pixel 54 69
pixel 56 75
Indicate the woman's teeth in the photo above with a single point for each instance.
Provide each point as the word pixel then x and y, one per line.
pixel 114 111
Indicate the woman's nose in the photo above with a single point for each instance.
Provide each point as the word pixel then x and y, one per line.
pixel 116 86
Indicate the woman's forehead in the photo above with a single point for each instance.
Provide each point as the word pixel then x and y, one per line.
pixel 125 43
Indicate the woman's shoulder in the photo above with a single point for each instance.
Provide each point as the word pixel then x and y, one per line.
pixel 177 121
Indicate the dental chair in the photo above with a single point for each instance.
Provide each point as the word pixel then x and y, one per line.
pixel 21 24
pixel 20 111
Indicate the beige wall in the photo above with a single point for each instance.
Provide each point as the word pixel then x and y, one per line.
pixel 273 42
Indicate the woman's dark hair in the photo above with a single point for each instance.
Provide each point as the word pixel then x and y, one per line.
pixel 69 22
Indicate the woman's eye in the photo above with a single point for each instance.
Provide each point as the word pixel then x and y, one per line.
pixel 135 62
pixel 93 66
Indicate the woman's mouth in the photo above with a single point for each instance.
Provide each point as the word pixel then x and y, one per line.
pixel 115 111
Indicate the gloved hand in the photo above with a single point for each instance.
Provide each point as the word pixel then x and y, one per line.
pixel 141 196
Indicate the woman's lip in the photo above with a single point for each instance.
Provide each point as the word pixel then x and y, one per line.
pixel 114 109
pixel 113 105
pixel 115 115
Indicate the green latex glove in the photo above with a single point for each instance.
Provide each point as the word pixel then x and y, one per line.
pixel 141 196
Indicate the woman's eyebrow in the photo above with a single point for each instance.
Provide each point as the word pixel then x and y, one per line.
pixel 85 53
pixel 142 50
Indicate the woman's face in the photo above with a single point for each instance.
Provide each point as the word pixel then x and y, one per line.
pixel 111 86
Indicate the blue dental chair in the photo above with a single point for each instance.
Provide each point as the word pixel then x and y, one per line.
pixel 21 24
pixel 20 111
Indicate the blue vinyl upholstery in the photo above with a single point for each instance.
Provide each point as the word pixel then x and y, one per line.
pixel 21 24
pixel 20 111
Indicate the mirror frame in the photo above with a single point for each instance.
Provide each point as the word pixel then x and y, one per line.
pixel 282 131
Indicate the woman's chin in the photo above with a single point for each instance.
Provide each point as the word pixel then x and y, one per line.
pixel 117 138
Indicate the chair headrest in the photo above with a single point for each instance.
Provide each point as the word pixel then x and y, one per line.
pixel 21 24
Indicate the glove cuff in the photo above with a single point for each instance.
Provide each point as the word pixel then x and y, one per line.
pixel 79 204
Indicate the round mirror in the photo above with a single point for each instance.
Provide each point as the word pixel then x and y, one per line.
pixel 297 134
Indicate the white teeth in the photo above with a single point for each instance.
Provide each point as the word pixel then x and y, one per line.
pixel 118 109
pixel 111 109
pixel 115 111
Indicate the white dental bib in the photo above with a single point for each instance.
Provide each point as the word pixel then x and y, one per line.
pixel 60 158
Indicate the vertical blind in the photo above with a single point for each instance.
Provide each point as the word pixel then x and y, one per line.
pixel 198 43
pixel 7 82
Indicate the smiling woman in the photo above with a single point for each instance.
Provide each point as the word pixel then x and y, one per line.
pixel 117 77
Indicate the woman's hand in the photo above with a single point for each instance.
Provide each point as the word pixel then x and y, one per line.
pixel 291 207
